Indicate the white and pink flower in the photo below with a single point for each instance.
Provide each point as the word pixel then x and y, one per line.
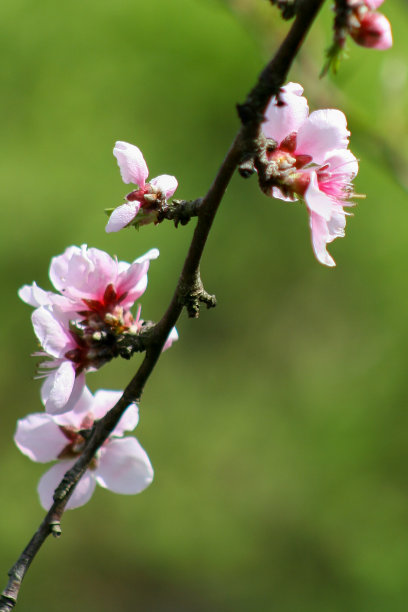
pixel 121 464
pixel 311 162
pixel 144 201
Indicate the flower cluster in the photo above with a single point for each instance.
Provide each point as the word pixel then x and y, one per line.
pixel 367 26
pixel 79 327
pixel 308 159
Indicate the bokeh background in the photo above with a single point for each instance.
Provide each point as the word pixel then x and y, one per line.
pixel 278 424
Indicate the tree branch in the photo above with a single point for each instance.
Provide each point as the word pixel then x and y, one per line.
pixel 189 291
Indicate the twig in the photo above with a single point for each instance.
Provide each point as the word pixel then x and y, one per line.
pixel 189 288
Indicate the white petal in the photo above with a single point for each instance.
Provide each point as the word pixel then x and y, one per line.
pixel 81 401
pixel 35 296
pixel 336 224
pixel 124 467
pixel 316 200
pixel 322 132
pixel 57 388
pixel 166 183
pixel 319 235
pixel 103 401
pixel 122 216
pixel 39 437
pixel 287 118
pixel 131 163
pixel 128 421
pixel 172 337
pixel 277 193
pixel 51 479
pixel 51 332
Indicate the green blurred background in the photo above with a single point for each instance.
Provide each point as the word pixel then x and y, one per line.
pixel 278 424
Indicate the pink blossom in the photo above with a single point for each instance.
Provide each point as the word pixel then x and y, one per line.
pixel 144 201
pixel 80 327
pixel 120 465
pixel 311 162
pixel 89 279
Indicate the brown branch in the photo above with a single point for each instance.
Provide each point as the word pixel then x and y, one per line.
pixel 189 291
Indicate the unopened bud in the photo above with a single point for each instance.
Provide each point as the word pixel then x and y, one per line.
pixel 374 31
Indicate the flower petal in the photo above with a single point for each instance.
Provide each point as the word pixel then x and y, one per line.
pixel 52 331
pixel 132 278
pixel 79 405
pixel 51 479
pixel 124 467
pixel 166 183
pixel 35 296
pixel 85 274
pixel 277 193
pixel 58 387
pixel 336 224
pixel 342 162
pixel 373 4
pixel 122 216
pixel 131 162
pixel 128 421
pixel 59 267
pixel 172 337
pixel 316 200
pixel 322 132
pixel 103 401
pixel 286 116
pixel 39 437
pixel 320 234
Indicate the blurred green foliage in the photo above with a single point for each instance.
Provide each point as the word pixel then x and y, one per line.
pixel 278 424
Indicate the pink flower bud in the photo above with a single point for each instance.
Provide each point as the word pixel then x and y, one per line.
pixel 374 31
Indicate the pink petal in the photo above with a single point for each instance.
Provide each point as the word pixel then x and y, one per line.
pixel 342 162
pixel 57 388
pixel 39 437
pixel 128 421
pixel 59 267
pixel 323 131
pixel 320 235
pixel 51 329
pixel 131 162
pixel 81 401
pixel 132 279
pixel 282 120
pixel 316 200
pixel 122 216
pixel 85 275
pixel 373 4
pixel 103 401
pixel 166 183
pixel 124 467
pixel 51 479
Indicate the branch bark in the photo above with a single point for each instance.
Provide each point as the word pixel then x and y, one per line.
pixel 247 141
